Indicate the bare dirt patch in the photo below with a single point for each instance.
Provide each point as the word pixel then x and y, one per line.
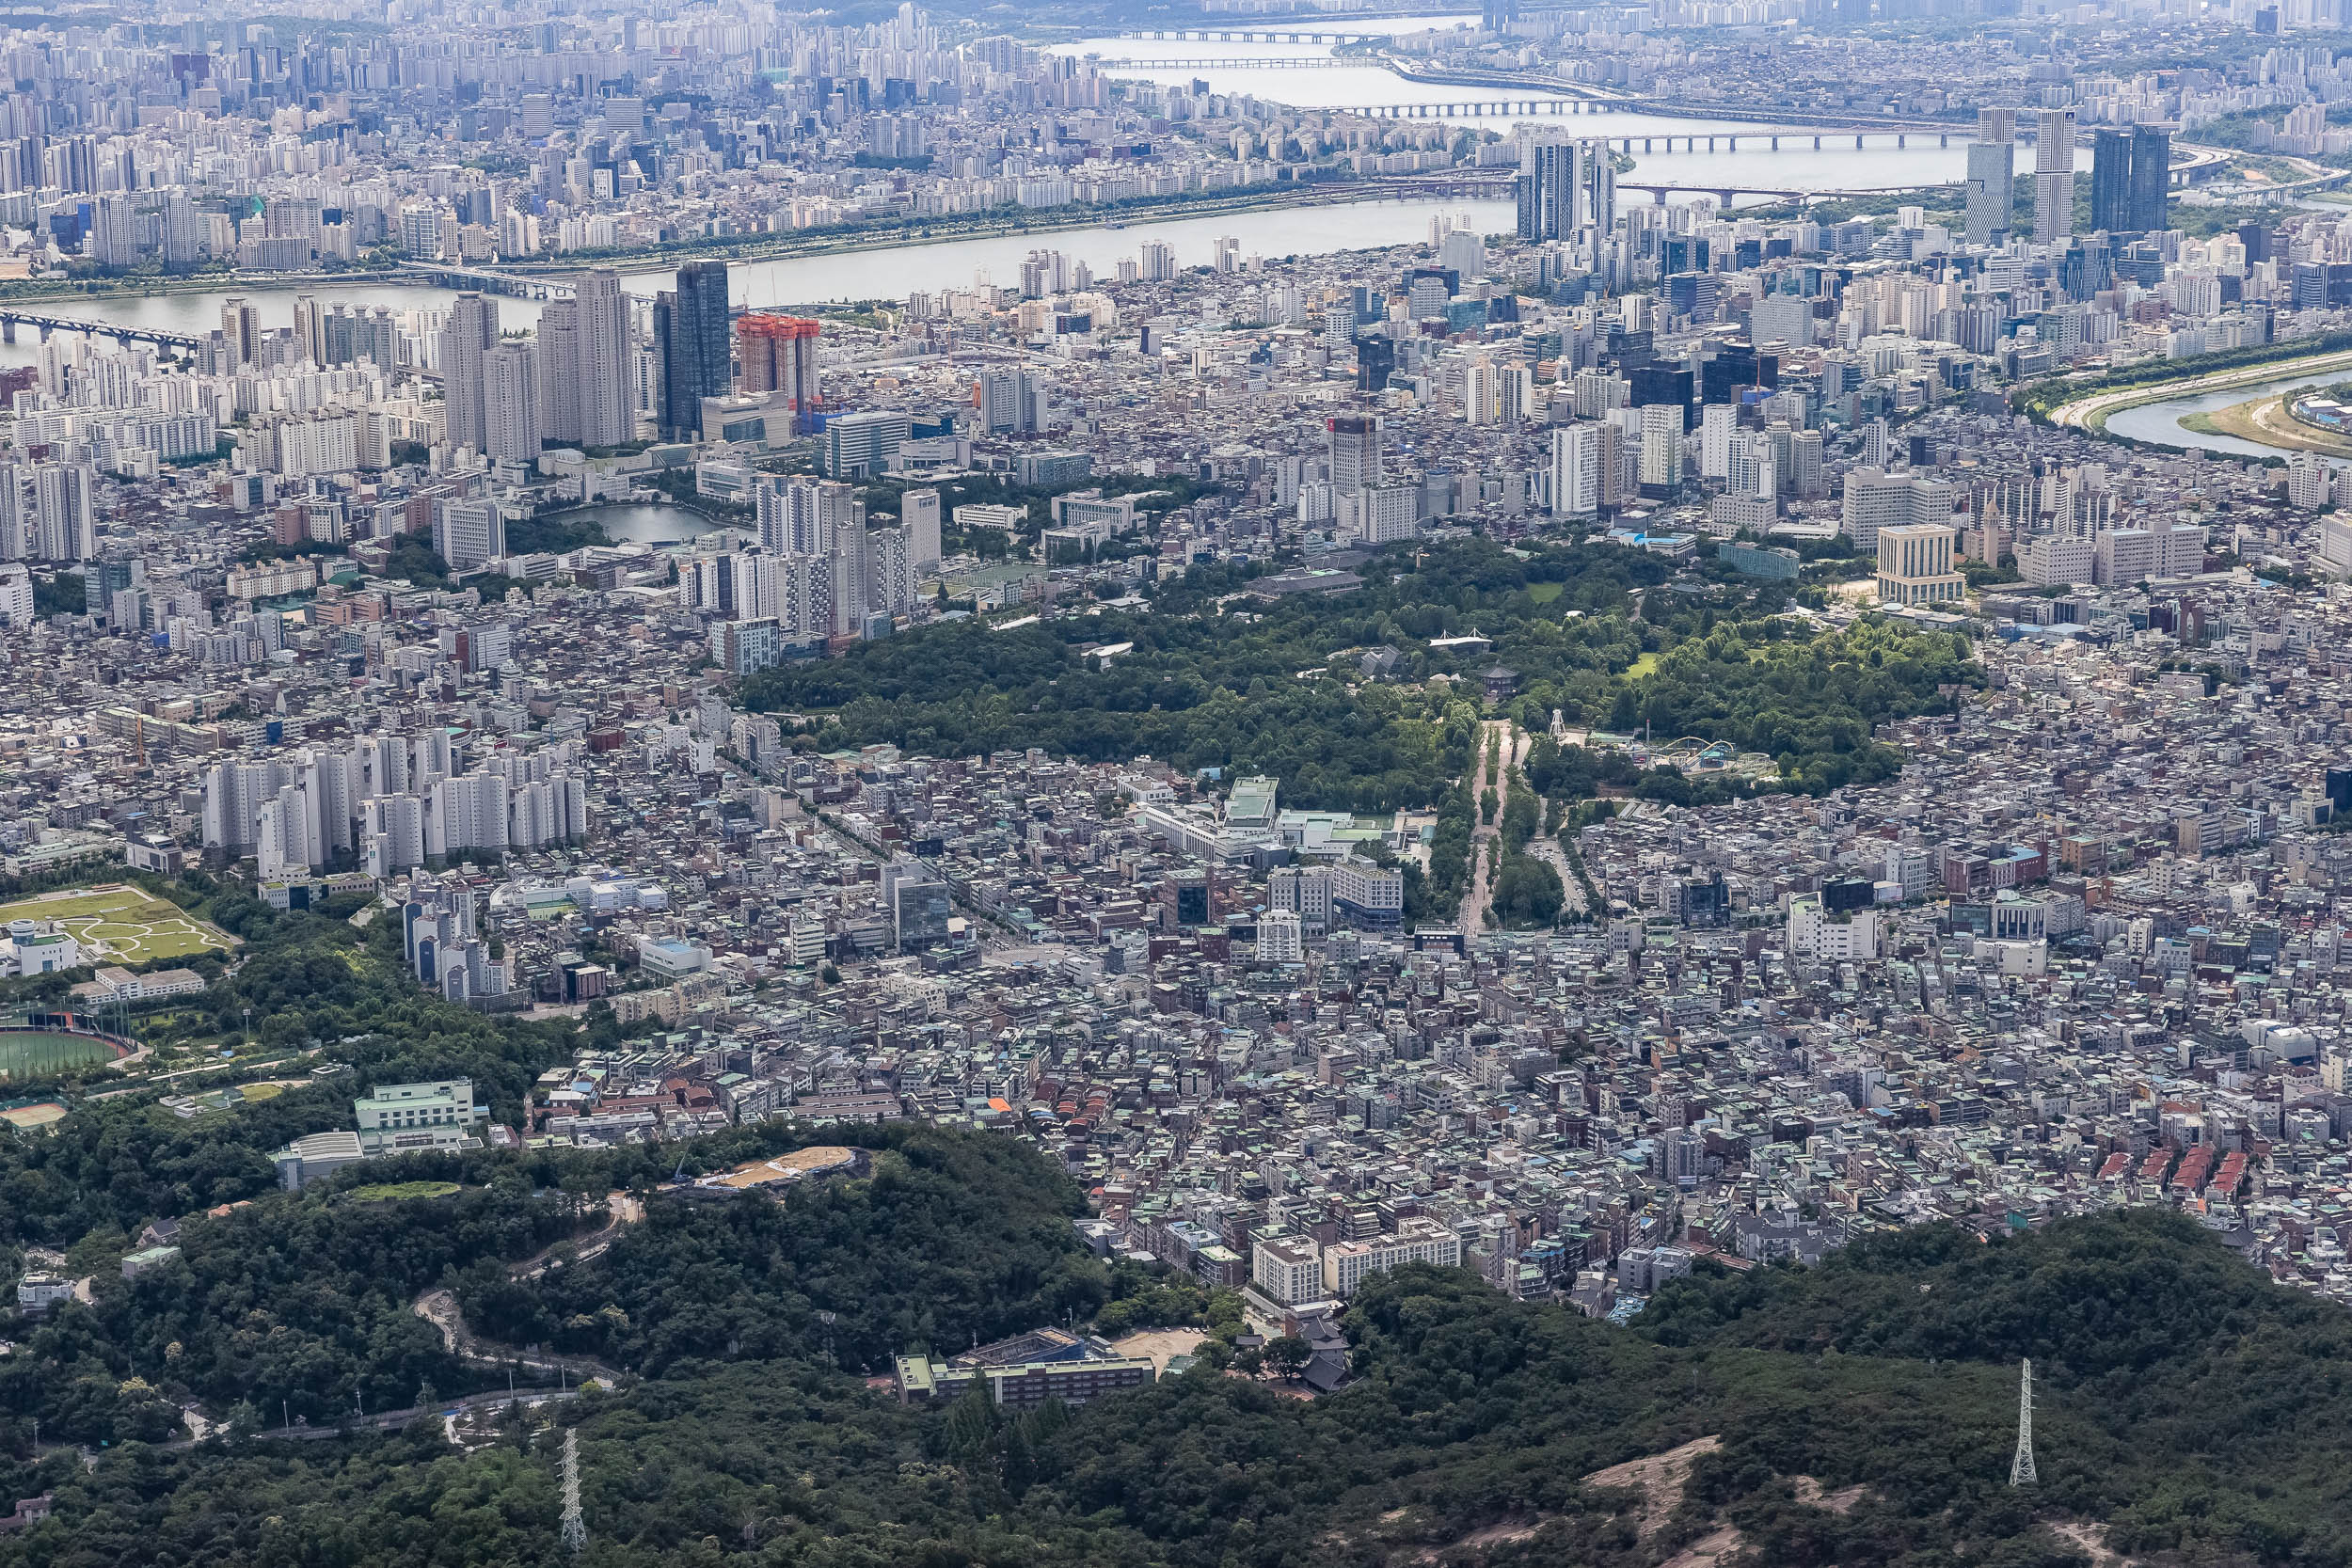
pixel 1839 1501
pixel 1662 1477
pixel 1162 1345
pixel 1708 1551
pixel 2092 1537
pixel 1505 1533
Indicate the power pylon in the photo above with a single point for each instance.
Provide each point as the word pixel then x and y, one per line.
pixel 574 1528
pixel 2021 1468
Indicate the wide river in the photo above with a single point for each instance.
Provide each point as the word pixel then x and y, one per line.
pixel 1316 84
pixel 2160 423
pixel 892 273
pixel 888 274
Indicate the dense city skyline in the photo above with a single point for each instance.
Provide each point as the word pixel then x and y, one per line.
pixel 1249 784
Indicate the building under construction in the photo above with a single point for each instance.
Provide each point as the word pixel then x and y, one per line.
pixel 777 355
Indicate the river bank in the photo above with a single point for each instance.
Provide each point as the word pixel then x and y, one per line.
pixel 2095 410
pixel 2211 412
pixel 2268 420
pixel 811 281
pixel 807 244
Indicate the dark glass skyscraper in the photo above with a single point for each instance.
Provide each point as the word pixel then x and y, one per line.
pixel 2152 177
pixel 690 329
pixel 2131 179
pixel 2111 181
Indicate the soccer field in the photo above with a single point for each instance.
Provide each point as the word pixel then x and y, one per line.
pixel 123 924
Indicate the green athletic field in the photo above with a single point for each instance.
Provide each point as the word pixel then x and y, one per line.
pixel 123 924
pixel 38 1055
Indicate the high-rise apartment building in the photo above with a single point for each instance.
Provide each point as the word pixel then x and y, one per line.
pixel 1991 176
pixel 889 572
pixel 1576 470
pixel 62 524
pixel 1546 189
pixel 778 354
pixel 2054 175
pixel 309 330
pixel 1564 187
pixel 510 404
pixel 471 332
pixel 1011 402
pixel 241 325
pixel 584 353
pixel 1662 449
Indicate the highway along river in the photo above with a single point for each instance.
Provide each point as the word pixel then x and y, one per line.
pixel 2160 421
pixel 1306 76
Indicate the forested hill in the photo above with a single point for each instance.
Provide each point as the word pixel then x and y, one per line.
pixel 1859 1414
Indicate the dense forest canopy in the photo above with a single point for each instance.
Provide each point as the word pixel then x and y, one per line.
pixel 952 1240
pixel 1219 678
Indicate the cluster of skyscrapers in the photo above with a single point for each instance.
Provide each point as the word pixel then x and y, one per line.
pixel 389 802
pixel 818 572
pixel 505 397
pixel 443 943
pixel 2131 178
pixel 48 511
pixel 573 383
pixel 583 362
pixel 1566 187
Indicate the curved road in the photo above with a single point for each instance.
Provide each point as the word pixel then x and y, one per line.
pixel 440 1306
pixel 440 1309
pixel 2090 411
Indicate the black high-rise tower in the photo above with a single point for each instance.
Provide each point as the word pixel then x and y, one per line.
pixel 2111 181
pixel 690 331
pixel 2152 177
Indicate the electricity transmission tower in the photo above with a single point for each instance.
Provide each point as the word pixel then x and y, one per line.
pixel 575 1528
pixel 2021 1468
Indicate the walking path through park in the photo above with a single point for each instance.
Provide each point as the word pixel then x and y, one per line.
pixel 1498 750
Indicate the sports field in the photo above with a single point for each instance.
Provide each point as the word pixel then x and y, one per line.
pixel 121 924
pixel 38 1055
